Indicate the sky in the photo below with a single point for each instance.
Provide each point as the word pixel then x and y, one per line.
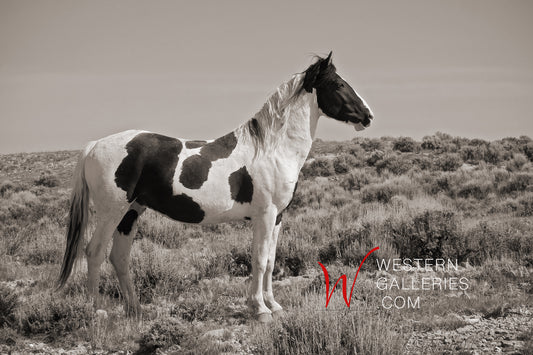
pixel 75 71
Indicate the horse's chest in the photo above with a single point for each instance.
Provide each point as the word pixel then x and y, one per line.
pixel 278 183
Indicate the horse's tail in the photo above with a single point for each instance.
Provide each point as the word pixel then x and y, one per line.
pixel 78 216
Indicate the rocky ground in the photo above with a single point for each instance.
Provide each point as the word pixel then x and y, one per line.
pixel 503 333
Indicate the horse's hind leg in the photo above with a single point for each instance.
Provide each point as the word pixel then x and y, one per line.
pixel 120 257
pixel 95 251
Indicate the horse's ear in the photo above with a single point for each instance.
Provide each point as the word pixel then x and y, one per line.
pixel 310 76
pixel 328 58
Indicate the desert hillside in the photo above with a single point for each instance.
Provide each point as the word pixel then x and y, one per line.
pixel 468 202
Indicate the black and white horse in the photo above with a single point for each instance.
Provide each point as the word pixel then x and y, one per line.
pixel 250 173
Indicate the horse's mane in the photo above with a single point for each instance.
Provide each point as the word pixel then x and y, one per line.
pixel 269 124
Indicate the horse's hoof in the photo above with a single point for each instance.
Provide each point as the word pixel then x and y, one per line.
pixel 264 318
pixel 280 313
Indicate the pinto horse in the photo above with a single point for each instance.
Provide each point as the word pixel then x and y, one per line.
pixel 250 173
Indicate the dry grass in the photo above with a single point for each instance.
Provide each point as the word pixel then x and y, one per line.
pixel 410 199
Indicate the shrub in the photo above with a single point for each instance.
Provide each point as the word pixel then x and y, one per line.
pixel 493 153
pixel 517 163
pixel 423 162
pixel 371 144
pixel 430 234
pixel 162 334
pixel 47 180
pixel 240 262
pixel 310 331
pixel 448 162
pixel 200 308
pixel 343 163
pixel 47 254
pixel 475 188
pixel 350 246
pixel 318 167
pixel 355 180
pixel 404 144
pixel 431 143
pixel 55 316
pixel 377 192
pixel 374 158
pixel 517 182
pixel 290 260
pixel 356 151
pixel 151 268
pixel 7 187
pixel 526 205
pixel 8 304
pixel 497 239
pixel 14 237
pixel 468 154
pixel 528 151
pixel 397 165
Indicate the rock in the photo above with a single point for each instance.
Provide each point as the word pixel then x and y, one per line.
pixel 215 333
pixel 465 329
pixel 509 344
pixel 472 320
pixel 101 314
pixel 79 350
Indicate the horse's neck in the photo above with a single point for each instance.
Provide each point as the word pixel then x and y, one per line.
pixel 301 127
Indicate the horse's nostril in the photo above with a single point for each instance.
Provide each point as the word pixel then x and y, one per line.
pixel 367 120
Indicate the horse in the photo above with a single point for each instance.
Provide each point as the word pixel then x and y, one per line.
pixel 248 174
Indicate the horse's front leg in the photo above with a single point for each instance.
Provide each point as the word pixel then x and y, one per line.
pixel 263 228
pixel 271 303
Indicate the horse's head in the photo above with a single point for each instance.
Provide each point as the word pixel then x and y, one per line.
pixel 336 98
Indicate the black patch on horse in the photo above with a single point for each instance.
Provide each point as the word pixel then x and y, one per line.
pixel 220 148
pixel 146 175
pixel 195 169
pixel 241 185
pixel 126 224
pixel 185 209
pixel 194 144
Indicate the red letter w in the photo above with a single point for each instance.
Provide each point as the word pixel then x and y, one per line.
pixel 344 281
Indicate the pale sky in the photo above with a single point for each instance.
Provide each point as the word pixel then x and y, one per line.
pixel 74 71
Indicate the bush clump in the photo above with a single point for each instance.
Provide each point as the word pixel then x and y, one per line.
pixel 319 167
pixel 47 180
pixel 8 303
pixel 350 247
pixel 396 164
pixel 55 316
pixel 404 145
pixel 516 183
pixel 355 180
pixel 377 193
pixel 448 162
pixel 163 334
pixel 430 234
pixel 475 189
pixel 430 143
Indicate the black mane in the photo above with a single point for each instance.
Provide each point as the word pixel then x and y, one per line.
pixel 318 73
